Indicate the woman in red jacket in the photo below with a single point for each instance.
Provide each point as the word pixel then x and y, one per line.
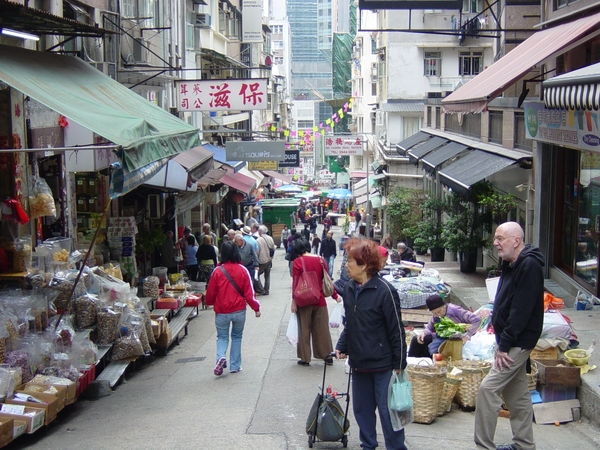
pixel 313 320
pixel 229 290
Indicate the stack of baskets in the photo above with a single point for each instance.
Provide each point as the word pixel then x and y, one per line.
pixel 472 374
pixel 451 385
pixel 427 383
pixel 532 377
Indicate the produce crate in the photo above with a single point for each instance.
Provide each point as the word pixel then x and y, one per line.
pixel 85 378
pixel 558 372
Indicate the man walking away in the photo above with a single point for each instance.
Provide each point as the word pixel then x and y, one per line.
pixel 329 251
pixel 517 319
pixel 249 260
pixel 265 257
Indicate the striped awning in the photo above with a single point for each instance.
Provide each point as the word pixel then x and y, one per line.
pixel 579 89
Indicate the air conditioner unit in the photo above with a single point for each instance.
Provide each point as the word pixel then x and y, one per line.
pixel 140 51
pixel 155 206
pixel 107 68
pixel 202 20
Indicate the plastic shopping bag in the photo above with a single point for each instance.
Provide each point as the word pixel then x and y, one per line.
pixel 292 330
pixel 335 320
pixel 400 396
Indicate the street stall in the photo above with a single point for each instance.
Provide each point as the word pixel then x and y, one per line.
pixel 278 212
pixel 414 283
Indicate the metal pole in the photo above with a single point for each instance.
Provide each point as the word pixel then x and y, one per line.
pixel 368 210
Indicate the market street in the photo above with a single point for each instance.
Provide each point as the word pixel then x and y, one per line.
pixel 174 404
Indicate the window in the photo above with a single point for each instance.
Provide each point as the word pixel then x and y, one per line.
pixel 428 117
pixel 438 118
pixel 470 63
pixel 496 125
pixel 147 11
pixel 433 64
pixel 472 6
pixel 374 89
pixel 520 140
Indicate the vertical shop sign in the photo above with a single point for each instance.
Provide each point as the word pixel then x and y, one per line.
pixel 252 21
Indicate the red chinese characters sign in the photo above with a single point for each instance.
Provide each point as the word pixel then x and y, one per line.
pixel 343 145
pixel 221 95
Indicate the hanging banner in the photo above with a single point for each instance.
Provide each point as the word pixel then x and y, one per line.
pixel 221 95
pixel 255 150
pixel 252 21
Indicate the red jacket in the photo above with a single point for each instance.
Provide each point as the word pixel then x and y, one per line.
pixel 312 263
pixel 224 296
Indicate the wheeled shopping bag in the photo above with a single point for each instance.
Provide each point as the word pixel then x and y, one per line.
pixel 327 421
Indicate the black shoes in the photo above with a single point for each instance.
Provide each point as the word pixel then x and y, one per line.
pixel 506 447
pixel 303 363
pixel 329 361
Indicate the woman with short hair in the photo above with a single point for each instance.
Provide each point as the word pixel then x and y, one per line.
pixel 230 290
pixel 374 339
pixel 207 258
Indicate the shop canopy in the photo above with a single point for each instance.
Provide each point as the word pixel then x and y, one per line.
pixel 220 156
pixel 434 159
pixel 144 133
pixel 239 182
pixel 419 151
pixel 579 89
pixel 411 141
pixel 277 176
pixel 474 95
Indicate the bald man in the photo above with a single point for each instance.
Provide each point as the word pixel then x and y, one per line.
pixel 517 319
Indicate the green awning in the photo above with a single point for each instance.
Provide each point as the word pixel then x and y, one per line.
pixel 78 91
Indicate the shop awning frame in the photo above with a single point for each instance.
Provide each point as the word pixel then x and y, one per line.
pixel 471 169
pixel 411 141
pixel 474 96
pixel 579 89
pixel 434 159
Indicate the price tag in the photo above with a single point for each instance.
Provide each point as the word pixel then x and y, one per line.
pixel 13 409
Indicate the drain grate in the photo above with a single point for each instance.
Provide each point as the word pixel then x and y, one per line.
pixel 187 360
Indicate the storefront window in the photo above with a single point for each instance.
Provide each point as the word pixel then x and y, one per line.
pixel 588 225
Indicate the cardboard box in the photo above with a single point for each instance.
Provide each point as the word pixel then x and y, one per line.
pixel 71 393
pixel 558 372
pixel 50 407
pixel 551 353
pixel 6 431
pixel 34 422
pixel 19 428
pixel 164 339
pixel 34 388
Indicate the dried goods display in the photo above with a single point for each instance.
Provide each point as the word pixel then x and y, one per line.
pixel 150 286
pixel 86 311
pixel 108 326
pixel 127 347
pixel 20 358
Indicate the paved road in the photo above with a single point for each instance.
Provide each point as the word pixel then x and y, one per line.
pixel 171 404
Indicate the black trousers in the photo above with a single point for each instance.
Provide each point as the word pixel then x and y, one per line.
pixel 417 350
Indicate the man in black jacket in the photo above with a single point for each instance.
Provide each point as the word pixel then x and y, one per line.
pixel 329 251
pixel 517 318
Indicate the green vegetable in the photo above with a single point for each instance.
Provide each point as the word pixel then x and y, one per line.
pixel 446 328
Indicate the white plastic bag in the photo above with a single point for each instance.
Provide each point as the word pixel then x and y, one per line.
pixel 292 330
pixel 335 320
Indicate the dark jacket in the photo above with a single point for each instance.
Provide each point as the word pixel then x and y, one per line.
pixel 373 337
pixel 328 248
pixel 518 314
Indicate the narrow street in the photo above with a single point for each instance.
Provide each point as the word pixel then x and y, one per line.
pixel 175 402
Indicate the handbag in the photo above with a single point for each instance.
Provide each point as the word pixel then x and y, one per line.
pixel 306 290
pixel 327 281
pixel 400 394
pixel 233 283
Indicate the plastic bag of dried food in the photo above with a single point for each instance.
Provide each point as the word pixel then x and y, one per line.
pixel 127 347
pixel 20 358
pixel 41 200
pixel 63 333
pixel 150 287
pixel 63 287
pixel 108 326
pixel 22 254
pixel 86 310
pixel 134 323
pixel 84 351
pixel 148 325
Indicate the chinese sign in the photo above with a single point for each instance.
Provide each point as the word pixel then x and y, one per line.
pixel 575 129
pixel 343 145
pixel 221 95
pixel 262 165
pixel 252 21
pixel 255 151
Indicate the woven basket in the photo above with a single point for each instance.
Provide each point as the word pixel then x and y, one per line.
pixel 427 383
pixel 451 385
pixel 472 374
pixel 532 377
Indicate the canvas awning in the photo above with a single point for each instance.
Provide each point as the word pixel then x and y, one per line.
pixel 579 89
pixel 474 95
pixel 418 151
pixel 411 141
pixel 472 168
pixel 172 176
pixel 258 177
pixel 197 161
pixel 240 182
pixel 220 156
pixel 278 176
pixel 441 155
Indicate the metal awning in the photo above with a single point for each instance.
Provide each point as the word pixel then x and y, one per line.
pixel 403 107
pixel 418 151
pixel 441 155
pixel 173 177
pixel 258 177
pixel 239 182
pixel 411 141
pixel 474 96
pixel 278 176
pixel 579 89
pixel 472 168
pixel 220 156
pixel 212 177
pixel 145 133
pixel 197 161
pixel 36 21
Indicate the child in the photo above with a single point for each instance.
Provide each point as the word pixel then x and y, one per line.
pixel 315 244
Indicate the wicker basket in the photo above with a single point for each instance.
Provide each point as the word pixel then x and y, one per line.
pixel 472 374
pixel 451 385
pixel 532 377
pixel 427 383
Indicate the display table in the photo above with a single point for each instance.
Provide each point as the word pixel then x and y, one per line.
pixel 414 290
pixel 16 277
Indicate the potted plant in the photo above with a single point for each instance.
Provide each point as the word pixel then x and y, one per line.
pixel 404 212
pixel 427 233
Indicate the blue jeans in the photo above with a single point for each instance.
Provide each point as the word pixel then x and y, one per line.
pixel 370 391
pixel 330 262
pixel 237 321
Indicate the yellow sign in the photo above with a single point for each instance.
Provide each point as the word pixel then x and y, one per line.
pixel 262 165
